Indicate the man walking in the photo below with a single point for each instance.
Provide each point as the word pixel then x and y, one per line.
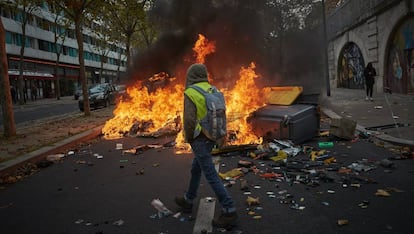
pixel 194 110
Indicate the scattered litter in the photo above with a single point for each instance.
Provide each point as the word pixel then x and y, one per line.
pixel 243 184
pixel 163 211
pixel 382 193
pixel 363 204
pixel 79 221
pixel 98 156
pixel 378 107
pixel 342 222
pixel 118 222
pixel 55 157
pixel 71 152
pixel 176 215
pixel 119 146
pixel 140 172
pixel 296 206
pixel 325 144
pixel 231 174
pixel 252 201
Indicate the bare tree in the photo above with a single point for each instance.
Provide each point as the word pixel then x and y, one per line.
pixel 5 95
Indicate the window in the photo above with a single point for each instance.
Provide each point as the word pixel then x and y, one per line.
pixel 5 12
pixel 17 15
pixel 65 50
pixel 30 42
pixel 73 52
pixel 43 45
pixel 71 33
pixel 16 39
pixel 9 37
pixel 31 20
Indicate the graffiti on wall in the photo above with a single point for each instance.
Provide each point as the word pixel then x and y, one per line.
pixel 400 66
pixel 351 67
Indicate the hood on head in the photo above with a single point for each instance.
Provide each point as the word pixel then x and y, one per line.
pixel 196 73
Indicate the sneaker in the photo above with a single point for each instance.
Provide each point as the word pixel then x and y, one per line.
pixel 371 99
pixel 226 220
pixel 185 206
pixel 366 99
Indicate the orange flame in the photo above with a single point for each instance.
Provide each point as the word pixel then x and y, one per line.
pixel 243 99
pixel 162 106
pixel 202 48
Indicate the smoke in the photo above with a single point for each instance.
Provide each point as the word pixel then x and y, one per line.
pixel 233 25
pixel 239 30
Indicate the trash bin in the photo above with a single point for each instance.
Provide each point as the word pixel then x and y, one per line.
pixel 297 122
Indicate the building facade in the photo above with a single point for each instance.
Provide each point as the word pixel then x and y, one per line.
pixel 40 55
pixel 377 31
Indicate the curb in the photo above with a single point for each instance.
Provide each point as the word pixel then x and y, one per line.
pixel 381 136
pixel 54 148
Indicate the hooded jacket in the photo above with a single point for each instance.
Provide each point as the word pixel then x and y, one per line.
pixel 370 74
pixel 196 73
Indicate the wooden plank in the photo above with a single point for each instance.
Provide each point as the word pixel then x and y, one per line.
pixel 205 216
pixel 205 213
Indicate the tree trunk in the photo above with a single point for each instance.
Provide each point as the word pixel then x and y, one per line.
pixel 79 39
pixel 20 80
pixel 101 72
pixel 57 77
pixel 5 95
pixel 128 52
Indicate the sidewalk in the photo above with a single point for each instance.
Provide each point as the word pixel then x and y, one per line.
pixel 386 109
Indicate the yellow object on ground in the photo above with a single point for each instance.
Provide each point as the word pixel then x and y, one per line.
pixel 285 95
pixel 252 201
pixel 231 174
pixel 281 155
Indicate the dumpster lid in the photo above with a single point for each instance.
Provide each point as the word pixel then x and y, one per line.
pixel 282 95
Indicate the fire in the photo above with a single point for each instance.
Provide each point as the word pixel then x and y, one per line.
pixel 163 106
pixel 159 108
pixel 202 48
pixel 243 99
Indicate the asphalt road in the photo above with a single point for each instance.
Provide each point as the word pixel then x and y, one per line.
pixel 28 113
pixel 85 194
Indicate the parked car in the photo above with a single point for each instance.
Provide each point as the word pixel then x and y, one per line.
pixel 120 89
pixel 101 95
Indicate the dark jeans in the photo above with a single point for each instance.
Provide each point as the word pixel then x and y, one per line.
pixel 369 90
pixel 203 163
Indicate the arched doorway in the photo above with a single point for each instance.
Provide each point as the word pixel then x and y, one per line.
pixel 351 67
pixel 400 58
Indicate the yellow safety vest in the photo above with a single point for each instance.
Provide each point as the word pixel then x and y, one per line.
pixel 200 102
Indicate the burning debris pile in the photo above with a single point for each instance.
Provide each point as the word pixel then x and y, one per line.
pixel 155 111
